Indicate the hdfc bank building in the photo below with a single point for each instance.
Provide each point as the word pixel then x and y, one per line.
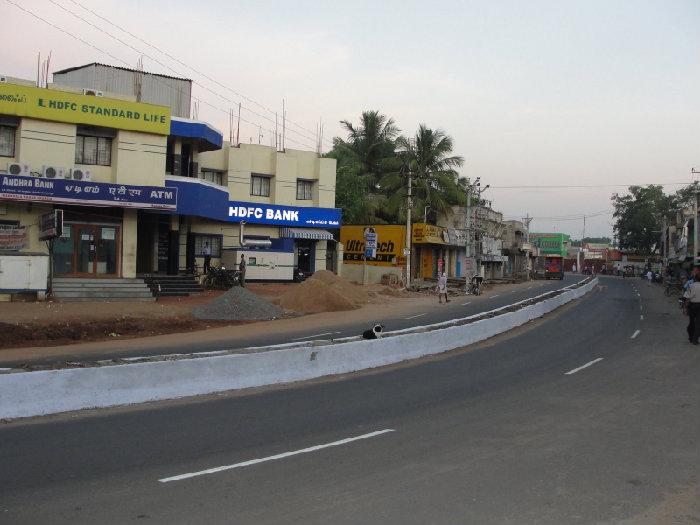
pixel 145 190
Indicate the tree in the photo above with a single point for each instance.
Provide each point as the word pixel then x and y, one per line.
pixel 428 156
pixel 639 216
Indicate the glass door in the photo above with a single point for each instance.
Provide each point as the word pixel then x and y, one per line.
pixel 85 250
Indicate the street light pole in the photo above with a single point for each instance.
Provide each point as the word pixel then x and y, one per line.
pixel 409 204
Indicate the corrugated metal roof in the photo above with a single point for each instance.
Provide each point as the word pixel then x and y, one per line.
pixel 76 68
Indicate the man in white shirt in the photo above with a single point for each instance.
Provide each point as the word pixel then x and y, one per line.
pixel 692 306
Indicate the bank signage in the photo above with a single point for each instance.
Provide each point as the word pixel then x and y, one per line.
pixel 61 106
pixel 256 213
pixel 35 189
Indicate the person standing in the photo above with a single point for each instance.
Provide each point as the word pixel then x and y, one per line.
pixel 241 268
pixel 650 276
pixel 206 251
pixel 573 268
pixel 692 306
pixel 442 288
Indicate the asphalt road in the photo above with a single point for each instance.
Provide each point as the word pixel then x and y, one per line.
pixel 499 433
pixel 461 306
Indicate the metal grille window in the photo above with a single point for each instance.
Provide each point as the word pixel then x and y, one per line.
pixel 217 177
pixel 304 189
pixel 260 186
pixel 93 150
pixel 214 242
pixel 7 141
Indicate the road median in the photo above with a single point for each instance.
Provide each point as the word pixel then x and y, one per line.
pixel 112 383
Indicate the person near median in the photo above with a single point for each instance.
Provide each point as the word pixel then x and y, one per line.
pixel 206 251
pixel 442 287
pixel 692 305
pixel 241 269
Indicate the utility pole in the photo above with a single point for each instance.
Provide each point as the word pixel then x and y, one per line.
pixel 695 218
pixel 409 204
pixel 527 220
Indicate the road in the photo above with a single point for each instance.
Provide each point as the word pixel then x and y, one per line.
pixel 570 419
pixel 461 306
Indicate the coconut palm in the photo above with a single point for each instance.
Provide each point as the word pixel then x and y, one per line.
pixel 433 168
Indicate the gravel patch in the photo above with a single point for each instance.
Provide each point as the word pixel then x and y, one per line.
pixel 238 304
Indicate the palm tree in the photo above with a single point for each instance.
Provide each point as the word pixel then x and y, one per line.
pixel 428 157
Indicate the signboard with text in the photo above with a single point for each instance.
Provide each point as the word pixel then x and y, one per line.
pixel 13 238
pixel 390 243
pixel 61 106
pixel 257 213
pixel 51 225
pixel 35 189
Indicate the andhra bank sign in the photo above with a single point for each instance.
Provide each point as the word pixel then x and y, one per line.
pixel 60 106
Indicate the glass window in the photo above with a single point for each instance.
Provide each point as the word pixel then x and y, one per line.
pixel 7 141
pixel 304 188
pixel 217 177
pixel 93 150
pixel 260 186
pixel 213 241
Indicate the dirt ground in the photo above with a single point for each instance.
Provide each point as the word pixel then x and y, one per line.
pixel 52 323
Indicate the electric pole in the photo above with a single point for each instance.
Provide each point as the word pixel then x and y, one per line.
pixel 409 204
pixel 527 220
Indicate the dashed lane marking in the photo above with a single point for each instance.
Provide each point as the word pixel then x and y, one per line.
pixel 590 363
pixel 494 296
pixel 417 315
pixel 635 334
pixel 465 304
pixel 276 456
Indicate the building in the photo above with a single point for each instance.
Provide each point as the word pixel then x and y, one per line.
pixel 517 248
pixel 144 192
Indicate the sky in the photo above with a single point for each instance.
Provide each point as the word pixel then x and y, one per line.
pixel 536 93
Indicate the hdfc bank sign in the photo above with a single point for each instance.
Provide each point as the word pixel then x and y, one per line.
pixel 252 212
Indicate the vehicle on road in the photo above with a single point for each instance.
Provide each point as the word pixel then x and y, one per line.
pixel 554 267
pixel 221 278
pixel 475 284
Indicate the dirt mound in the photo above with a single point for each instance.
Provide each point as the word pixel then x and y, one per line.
pixel 238 304
pixel 323 292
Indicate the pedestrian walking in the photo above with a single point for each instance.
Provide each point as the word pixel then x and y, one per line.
pixel 649 276
pixel 241 269
pixel 206 251
pixel 442 288
pixel 573 268
pixel 692 306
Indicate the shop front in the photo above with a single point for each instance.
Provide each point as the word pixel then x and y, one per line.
pixel 437 250
pixel 87 250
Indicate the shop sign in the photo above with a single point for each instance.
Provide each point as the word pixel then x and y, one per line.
pixel 370 235
pixel 256 213
pixel 389 244
pixel 35 189
pixel 430 234
pixel 51 225
pixel 13 238
pixel 61 106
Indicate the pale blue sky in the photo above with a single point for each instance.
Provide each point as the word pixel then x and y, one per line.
pixel 536 92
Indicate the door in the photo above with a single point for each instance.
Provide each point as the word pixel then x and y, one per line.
pixel 85 250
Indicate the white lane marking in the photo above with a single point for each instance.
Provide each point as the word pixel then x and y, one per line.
pixel 494 296
pixel 513 291
pixel 315 335
pixel 638 295
pixel 276 456
pixel 418 315
pixel 584 366
pixel 529 287
pixel 465 304
pixel 635 334
pixel 641 318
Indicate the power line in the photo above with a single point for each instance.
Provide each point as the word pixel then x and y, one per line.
pixel 225 111
pixel 165 53
pixel 114 37
pixel 570 186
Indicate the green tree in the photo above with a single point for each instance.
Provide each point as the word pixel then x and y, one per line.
pixel 429 158
pixel 639 215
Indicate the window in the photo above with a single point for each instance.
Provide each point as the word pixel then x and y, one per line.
pixel 260 186
pixel 214 242
pixel 304 188
pixel 7 141
pixel 215 176
pixel 93 150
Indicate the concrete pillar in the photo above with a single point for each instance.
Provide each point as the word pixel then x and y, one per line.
pixel 129 238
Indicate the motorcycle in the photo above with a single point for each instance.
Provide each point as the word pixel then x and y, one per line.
pixel 475 285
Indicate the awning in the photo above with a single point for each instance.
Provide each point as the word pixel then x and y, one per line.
pixel 316 234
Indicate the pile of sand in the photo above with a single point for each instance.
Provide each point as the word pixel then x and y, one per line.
pixel 323 292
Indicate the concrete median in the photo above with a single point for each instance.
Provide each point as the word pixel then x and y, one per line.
pixel 27 394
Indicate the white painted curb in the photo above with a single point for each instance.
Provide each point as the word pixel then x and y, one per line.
pixel 26 394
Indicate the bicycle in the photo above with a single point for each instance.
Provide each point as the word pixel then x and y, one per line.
pixel 475 285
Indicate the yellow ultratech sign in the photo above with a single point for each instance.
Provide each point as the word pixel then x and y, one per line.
pixel 390 243
pixel 60 106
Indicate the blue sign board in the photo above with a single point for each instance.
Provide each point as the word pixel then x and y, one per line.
pixel 66 191
pixel 256 213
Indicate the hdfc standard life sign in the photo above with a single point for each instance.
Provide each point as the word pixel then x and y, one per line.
pixel 61 106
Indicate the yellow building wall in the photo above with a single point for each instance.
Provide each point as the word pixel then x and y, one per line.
pixel 129 236
pixel 45 143
pixel 139 159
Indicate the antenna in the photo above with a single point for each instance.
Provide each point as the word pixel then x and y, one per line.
pixel 284 125
pixel 238 130
pixel 38 68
